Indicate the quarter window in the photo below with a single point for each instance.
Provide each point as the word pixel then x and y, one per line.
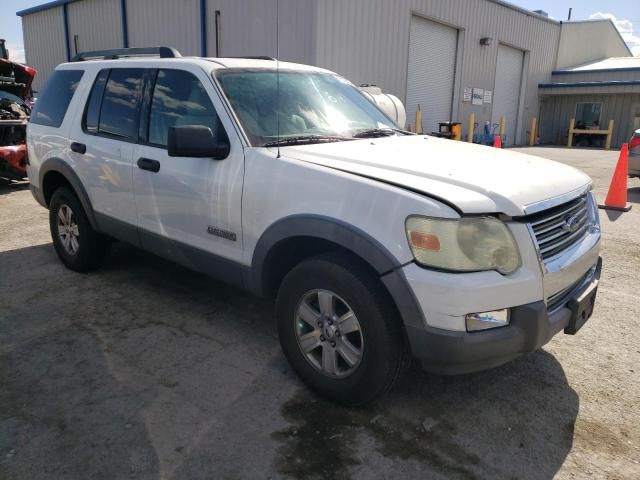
pixel 121 103
pixel 55 97
pixel 180 99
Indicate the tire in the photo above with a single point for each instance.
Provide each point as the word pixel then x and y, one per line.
pixel 380 340
pixel 68 219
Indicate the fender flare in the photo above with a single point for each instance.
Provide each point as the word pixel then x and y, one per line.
pixel 325 228
pixel 358 242
pixel 63 168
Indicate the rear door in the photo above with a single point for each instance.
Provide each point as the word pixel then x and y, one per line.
pixel 108 135
pixel 189 209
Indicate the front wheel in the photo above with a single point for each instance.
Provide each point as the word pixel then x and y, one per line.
pixel 339 329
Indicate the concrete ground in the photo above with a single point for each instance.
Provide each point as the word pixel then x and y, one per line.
pixel 146 370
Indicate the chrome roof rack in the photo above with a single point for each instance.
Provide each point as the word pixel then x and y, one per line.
pixel 113 54
pixel 253 57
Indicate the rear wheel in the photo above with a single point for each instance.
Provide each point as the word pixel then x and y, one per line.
pixel 339 329
pixel 77 244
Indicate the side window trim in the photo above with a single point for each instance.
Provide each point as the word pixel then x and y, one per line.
pixel 145 108
pixel 86 107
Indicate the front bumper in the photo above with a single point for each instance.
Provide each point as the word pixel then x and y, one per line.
pixel 531 326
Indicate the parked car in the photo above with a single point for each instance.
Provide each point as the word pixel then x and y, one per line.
pixel 285 180
pixel 15 95
pixel 634 154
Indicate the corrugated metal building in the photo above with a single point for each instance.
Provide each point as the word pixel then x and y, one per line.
pixel 593 94
pixel 451 57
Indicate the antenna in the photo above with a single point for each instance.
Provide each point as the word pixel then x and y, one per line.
pixel 569 16
pixel 278 76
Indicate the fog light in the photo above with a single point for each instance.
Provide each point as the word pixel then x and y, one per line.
pixel 486 320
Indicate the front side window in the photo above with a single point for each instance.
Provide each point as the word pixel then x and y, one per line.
pixel 120 108
pixel 180 99
pixel 55 97
pixel 298 105
pixel 588 115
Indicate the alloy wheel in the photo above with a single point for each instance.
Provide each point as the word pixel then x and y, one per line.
pixel 328 333
pixel 68 229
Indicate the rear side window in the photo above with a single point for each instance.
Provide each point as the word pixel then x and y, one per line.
pixel 119 112
pixel 53 101
pixel 180 99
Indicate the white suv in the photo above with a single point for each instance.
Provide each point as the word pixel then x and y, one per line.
pixel 376 243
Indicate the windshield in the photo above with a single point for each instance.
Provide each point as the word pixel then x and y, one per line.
pixel 313 106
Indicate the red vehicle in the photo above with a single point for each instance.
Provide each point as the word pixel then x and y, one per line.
pixel 15 108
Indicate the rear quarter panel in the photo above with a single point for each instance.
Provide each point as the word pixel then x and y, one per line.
pixel 45 142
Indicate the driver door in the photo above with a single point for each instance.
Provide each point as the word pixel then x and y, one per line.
pixel 188 209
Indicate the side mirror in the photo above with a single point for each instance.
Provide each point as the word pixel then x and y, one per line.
pixel 196 141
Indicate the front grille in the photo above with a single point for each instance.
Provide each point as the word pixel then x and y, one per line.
pixel 560 227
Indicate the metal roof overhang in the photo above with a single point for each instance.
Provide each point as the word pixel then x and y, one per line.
pixel 44 6
pixel 580 88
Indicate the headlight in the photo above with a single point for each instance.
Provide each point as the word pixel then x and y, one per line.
pixel 465 245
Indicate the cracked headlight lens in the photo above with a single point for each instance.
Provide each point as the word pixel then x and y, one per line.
pixel 464 245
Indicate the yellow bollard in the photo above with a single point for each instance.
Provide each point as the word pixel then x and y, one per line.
pixel 533 133
pixel 503 122
pixel 570 136
pixel 418 120
pixel 472 122
pixel 609 135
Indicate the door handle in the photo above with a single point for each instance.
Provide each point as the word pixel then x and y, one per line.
pixel 78 147
pixel 149 164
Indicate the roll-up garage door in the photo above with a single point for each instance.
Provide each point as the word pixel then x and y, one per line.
pixel 506 95
pixel 431 71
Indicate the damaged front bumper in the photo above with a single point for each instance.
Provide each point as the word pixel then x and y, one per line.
pixel 13 162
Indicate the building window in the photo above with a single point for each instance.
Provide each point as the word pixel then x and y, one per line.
pixel 588 115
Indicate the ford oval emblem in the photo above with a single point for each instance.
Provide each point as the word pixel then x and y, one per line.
pixel 571 224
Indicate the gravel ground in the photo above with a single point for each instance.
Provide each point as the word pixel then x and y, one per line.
pixel 146 370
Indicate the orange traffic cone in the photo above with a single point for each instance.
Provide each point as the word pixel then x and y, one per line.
pixel 617 196
pixel 497 141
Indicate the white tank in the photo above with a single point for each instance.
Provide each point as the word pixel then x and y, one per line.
pixel 389 104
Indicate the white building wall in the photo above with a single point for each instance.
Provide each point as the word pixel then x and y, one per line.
pixel 174 23
pixel 44 42
pixel 96 23
pixel 584 42
pixel 367 42
pixel 248 28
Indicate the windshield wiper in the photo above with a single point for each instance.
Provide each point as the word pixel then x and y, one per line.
pixel 305 139
pixel 378 132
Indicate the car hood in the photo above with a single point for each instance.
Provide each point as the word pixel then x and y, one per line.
pixel 16 78
pixel 474 178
